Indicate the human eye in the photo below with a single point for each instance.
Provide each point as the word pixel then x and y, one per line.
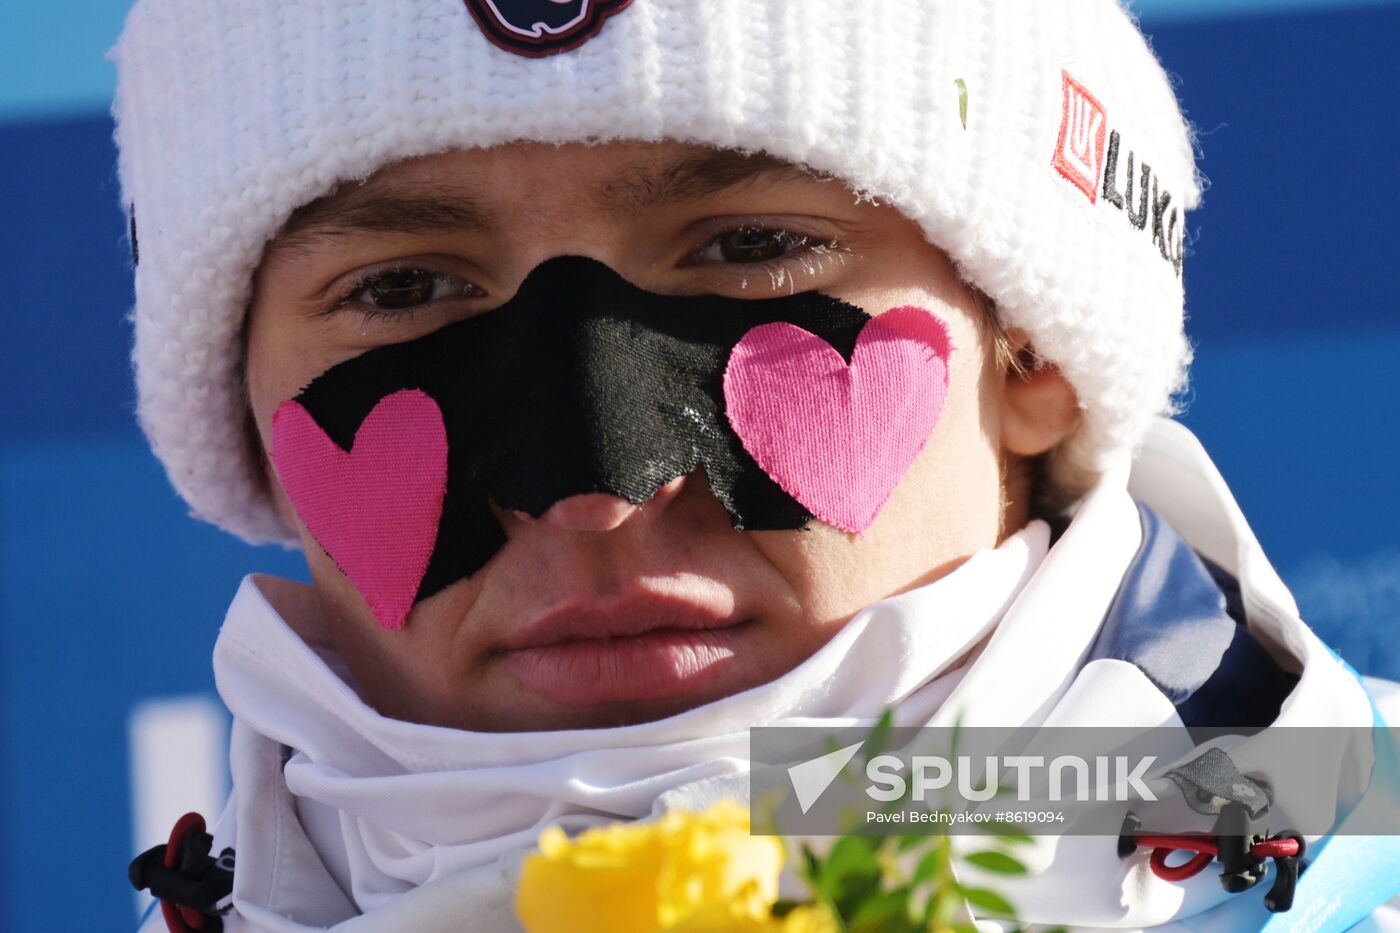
pixel 753 257
pixel 750 244
pixel 402 290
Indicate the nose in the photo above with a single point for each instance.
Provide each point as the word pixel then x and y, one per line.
pixel 594 511
pixel 601 511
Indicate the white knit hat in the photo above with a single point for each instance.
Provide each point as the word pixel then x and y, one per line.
pixel 1037 142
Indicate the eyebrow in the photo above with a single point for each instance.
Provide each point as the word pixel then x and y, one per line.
pixel 695 177
pixel 357 207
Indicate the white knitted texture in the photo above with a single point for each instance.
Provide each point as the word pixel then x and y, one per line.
pixel 230 115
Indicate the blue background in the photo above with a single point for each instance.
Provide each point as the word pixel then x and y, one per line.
pixel 109 595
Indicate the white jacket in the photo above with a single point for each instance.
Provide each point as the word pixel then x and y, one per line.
pixel 336 810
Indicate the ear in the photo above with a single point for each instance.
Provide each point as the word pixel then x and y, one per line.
pixel 1039 407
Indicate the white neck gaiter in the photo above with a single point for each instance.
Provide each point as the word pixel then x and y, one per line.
pixel 392 805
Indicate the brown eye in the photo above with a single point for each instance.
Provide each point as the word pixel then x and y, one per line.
pixel 400 289
pixel 752 244
pixel 403 289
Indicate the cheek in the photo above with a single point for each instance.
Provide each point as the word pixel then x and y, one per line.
pixel 286 350
pixel 270 369
pixel 951 494
pixel 279 361
pixel 836 435
pixel 945 506
pixel 382 662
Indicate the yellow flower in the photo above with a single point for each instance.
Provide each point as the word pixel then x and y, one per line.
pixel 685 872
pixel 809 920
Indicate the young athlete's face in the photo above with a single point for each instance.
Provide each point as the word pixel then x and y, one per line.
pixel 600 612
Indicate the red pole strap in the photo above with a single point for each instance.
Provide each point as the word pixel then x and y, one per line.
pixel 1206 848
pixel 1188 869
pixel 181 919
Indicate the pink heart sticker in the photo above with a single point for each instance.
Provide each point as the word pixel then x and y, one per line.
pixel 376 508
pixel 838 438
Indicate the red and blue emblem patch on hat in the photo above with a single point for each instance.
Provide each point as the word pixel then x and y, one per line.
pixel 536 28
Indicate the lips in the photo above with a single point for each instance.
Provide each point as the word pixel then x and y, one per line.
pixel 647 647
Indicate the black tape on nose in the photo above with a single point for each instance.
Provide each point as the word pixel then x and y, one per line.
pixel 580 383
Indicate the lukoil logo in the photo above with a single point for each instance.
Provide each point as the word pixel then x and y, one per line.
pixel 1079 152
pixel 1088 152
pixel 1065 777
